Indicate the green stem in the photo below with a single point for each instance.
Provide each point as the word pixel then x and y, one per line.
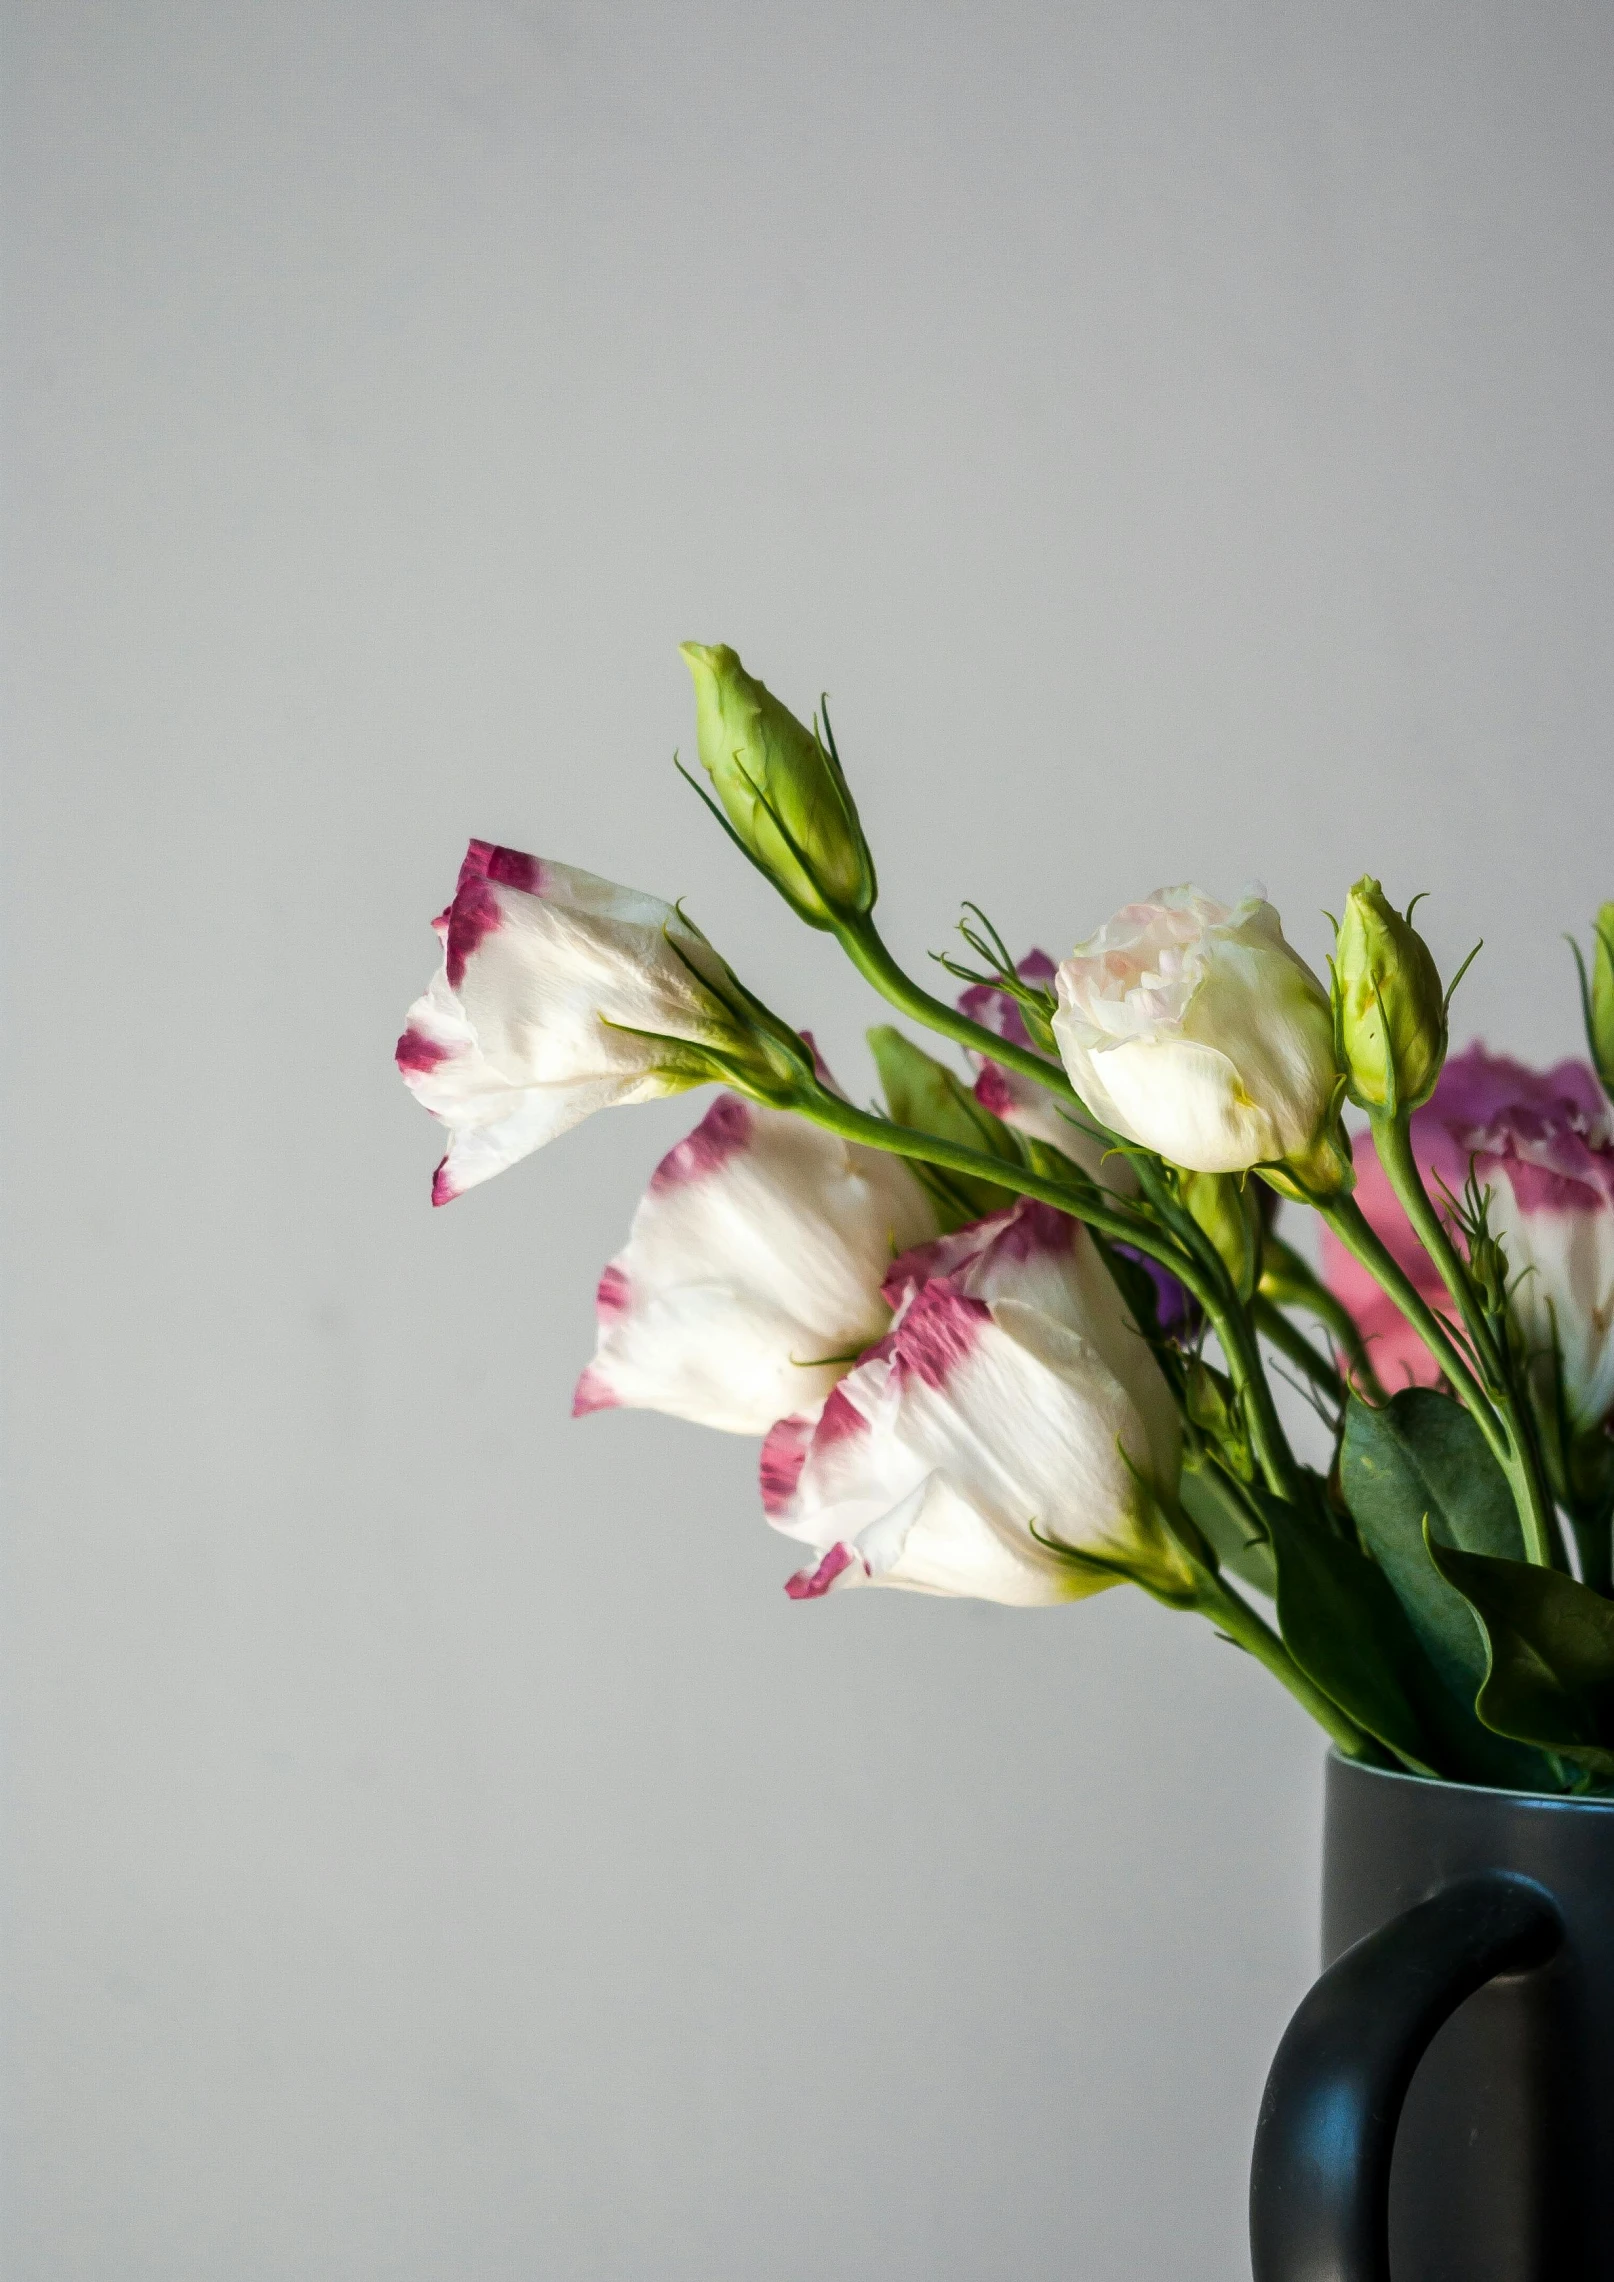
pixel 1289 1281
pixel 1232 1327
pixel 874 962
pixel 1351 1225
pixel 1290 1340
pixel 1392 1137
pixel 1089 1203
pixel 1240 1622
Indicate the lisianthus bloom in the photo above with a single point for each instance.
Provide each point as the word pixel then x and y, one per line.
pixel 1539 1142
pixel 1195 1030
pixel 986 1432
pixel 559 994
pixel 751 1279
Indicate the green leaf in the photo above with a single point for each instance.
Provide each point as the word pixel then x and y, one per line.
pixel 924 1094
pixel 1422 1457
pixel 1550 1679
pixel 1345 1628
pixel 1343 1624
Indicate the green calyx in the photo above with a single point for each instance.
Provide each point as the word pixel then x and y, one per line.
pixel 1389 1007
pixel 781 790
pixel 1224 1207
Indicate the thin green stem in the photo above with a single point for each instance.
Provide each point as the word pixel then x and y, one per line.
pixel 1239 1345
pixel 1392 1137
pixel 1088 1203
pixel 1504 1431
pixel 1239 1621
pixel 1351 1225
pixel 1231 1324
pixel 1291 1341
pixel 863 946
pixel 1289 1281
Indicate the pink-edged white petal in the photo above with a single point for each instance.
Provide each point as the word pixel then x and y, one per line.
pixel 973 1433
pixel 1045 1260
pixel 751 1280
pixel 559 994
pixel 1539 1143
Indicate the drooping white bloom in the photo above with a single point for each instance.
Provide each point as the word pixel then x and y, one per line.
pixel 984 1424
pixel 536 1017
pixel 1196 1031
pixel 751 1280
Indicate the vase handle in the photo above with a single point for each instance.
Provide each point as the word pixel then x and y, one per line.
pixel 1320 2178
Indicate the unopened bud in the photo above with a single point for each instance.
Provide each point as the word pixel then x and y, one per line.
pixel 1389 1008
pixel 1215 1411
pixel 1600 998
pixel 1488 1265
pixel 782 791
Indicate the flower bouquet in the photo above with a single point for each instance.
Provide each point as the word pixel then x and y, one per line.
pixel 1014 1331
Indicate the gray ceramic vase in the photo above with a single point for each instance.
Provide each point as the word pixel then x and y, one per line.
pixel 1441 2108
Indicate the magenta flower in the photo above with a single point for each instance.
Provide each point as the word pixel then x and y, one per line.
pixel 1539 1143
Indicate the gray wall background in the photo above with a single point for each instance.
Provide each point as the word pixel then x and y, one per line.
pixel 1178 437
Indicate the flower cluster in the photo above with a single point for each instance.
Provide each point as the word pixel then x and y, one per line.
pixel 1013 1334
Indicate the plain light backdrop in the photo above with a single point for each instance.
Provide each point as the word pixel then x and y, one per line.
pixel 1178 438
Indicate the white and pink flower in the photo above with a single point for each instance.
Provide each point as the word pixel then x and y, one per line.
pixel 984 1424
pixel 1539 1142
pixel 559 994
pixel 1193 1029
pixel 751 1279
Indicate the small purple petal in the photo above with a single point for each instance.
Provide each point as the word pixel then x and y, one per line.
pixel 1175 1307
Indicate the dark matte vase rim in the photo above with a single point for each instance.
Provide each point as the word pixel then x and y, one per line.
pixel 1555 1800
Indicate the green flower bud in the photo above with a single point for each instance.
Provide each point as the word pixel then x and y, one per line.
pixel 1600 998
pixel 1226 1208
pixel 1389 1008
pixel 1215 1409
pixel 781 789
